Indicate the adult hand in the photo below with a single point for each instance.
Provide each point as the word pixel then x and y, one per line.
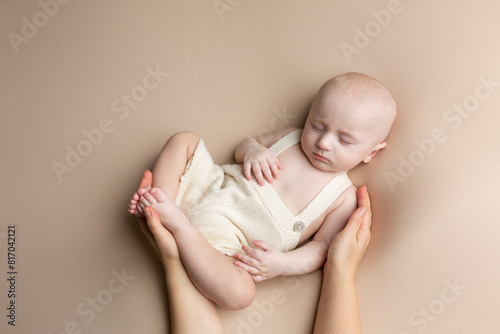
pixel 159 237
pixel 349 245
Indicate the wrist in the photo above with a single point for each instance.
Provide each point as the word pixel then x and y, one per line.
pixel 242 148
pixel 338 274
pixel 287 266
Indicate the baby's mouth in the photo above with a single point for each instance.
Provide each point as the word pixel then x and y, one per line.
pixel 320 157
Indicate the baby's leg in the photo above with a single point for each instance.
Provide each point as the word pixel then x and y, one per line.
pixel 168 169
pixel 212 272
pixel 190 311
pixel 172 161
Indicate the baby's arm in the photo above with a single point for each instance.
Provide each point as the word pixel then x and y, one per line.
pixel 267 262
pixel 256 157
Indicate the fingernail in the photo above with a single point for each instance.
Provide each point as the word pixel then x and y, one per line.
pixel 362 211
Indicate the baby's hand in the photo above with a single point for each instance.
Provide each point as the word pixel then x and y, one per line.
pixel 264 263
pixel 262 162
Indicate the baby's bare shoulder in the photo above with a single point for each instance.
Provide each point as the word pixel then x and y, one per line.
pixel 337 215
pixel 347 202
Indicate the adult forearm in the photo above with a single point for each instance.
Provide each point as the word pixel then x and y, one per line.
pixel 338 311
pixel 190 311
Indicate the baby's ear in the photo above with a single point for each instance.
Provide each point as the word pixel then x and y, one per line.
pixel 375 150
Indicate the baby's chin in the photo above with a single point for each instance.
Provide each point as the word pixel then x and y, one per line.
pixel 322 166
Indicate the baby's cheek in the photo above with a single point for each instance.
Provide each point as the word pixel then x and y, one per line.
pixel 355 159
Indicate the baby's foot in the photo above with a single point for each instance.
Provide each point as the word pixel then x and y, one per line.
pixel 144 186
pixel 160 238
pixel 170 214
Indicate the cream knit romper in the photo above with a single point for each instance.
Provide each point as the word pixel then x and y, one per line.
pixel 231 211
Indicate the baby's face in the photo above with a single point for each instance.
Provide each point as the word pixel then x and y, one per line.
pixel 340 132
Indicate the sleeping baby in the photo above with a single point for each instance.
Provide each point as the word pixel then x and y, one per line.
pixel 239 224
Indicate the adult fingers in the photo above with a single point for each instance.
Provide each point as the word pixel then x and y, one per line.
pixel 145 229
pixel 363 197
pixel 149 236
pixel 154 223
pixel 364 200
pixel 353 225
pixel 364 233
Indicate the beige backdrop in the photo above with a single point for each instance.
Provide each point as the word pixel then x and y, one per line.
pixel 90 91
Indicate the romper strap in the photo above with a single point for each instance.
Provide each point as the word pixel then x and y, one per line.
pixel 324 199
pixel 286 141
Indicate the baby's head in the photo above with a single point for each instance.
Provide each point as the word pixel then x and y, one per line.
pixel 348 122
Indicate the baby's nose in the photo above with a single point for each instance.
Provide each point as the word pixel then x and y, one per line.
pixel 325 143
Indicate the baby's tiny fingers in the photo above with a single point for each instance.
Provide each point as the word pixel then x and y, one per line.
pixel 274 164
pixel 267 173
pixel 274 170
pixel 263 245
pixel 253 252
pixel 247 170
pixel 257 278
pixel 246 259
pixel 257 172
pixel 249 269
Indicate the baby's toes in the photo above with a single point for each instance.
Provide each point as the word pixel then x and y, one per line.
pixel 143 201
pixel 150 199
pixel 133 203
pixel 159 195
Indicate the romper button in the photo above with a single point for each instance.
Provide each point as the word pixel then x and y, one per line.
pixel 299 226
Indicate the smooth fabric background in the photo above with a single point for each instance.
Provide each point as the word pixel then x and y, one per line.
pixel 91 90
